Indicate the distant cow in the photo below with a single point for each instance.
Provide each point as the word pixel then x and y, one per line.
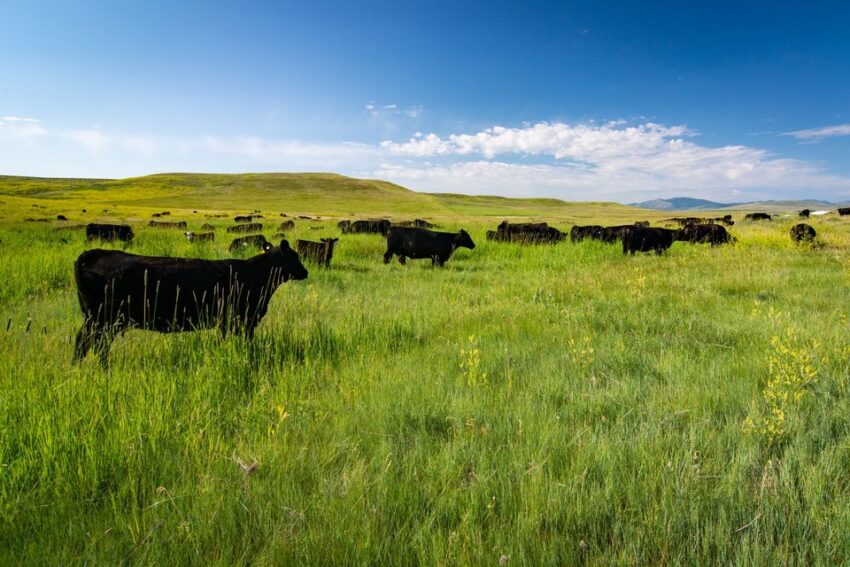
pixel 418 223
pixel 160 224
pixel 286 225
pixel 343 225
pixel 579 233
pixel 804 213
pixel 375 226
pixel 121 232
pixel 200 236
pixel 249 227
pixel 643 239
pixel 642 223
pixel 207 226
pixel 802 233
pixel 61 217
pixel 243 218
pixel 757 216
pixel 255 241
pixel 318 252
pixel 713 234
pixel 844 211
pixel 119 291
pixel 611 234
pixel 528 233
pixel 418 243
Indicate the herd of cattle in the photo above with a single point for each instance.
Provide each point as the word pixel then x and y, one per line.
pixel 118 291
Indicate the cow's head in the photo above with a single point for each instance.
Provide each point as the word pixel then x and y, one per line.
pixel 330 241
pixel 463 240
pixel 285 259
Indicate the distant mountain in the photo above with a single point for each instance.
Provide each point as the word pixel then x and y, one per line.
pixel 689 204
pixel 682 204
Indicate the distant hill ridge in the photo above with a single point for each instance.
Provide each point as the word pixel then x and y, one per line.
pixel 691 204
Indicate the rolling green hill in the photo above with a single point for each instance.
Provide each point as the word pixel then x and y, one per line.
pixel 292 193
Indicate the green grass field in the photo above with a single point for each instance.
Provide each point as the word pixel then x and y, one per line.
pixel 557 405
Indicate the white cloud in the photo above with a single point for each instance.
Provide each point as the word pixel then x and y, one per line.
pixel 394 110
pixel 19 119
pixel 820 133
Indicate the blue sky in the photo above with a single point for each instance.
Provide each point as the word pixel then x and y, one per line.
pixel 582 101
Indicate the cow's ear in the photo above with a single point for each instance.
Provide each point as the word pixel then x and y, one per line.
pixel 267 246
pixel 284 245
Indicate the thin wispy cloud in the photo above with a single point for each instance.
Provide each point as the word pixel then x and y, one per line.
pixel 820 133
pixel 393 109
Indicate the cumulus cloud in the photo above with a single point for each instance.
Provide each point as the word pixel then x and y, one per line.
pixel 820 133
pixel 612 159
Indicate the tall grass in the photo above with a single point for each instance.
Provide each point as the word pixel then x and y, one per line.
pixel 556 404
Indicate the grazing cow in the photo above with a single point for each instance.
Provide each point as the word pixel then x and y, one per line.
pixel 844 211
pixel 119 291
pixel 418 223
pixel 318 252
pixel 343 225
pixel 642 223
pixel 200 236
pixel 611 234
pixel 805 213
pixel 158 224
pixel 61 217
pixel 375 226
pixel 257 241
pixel 803 233
pixel 643 239
pixel 418 243
pixel 207 226
pixel 579 233
pixel 121 232
pixel 156 215
pixel 286 225
pixel 713 234
pixel 249 227
pixel 528 233
pixel 758 216
pixel 243 218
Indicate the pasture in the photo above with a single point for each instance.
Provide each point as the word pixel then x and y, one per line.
pixel 552 405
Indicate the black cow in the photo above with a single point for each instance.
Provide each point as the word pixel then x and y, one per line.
pixel 200 236
pixel 119 291
pixel 158 224
pixel 803 233
pixel 207 226
pixel 757 216
pixel 528 233
pixel 611 234
pixel 579 233
pixel 713 234
pixel 249 227
pixel 642 223
pixel 375 226
pixel 121 232
pixel 805 213
pixel 643 239
pixel 418 243
pixel 257 241
pixel 286 225
pixel 318 252
pixel 844 211
pixel 343 225
pixel 61 217
pixel 243 218
pixel 417 223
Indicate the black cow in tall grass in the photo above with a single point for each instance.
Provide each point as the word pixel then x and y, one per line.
pixel 180 225
pixel 844 211
pixel 648 239
pixel 579 233
pixel 758 216
pixel 376 226
pixel 528 233
pixel 713 234
pixel 417 243
pixel 803 233
pixel 319 252
pixel 97 231
pixel 119 291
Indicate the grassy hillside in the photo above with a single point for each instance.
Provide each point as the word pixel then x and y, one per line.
pixel 291 193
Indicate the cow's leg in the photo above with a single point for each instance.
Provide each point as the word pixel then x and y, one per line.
pixel 83 343
pixel 402 260
pixel 102 341
pixel 388 255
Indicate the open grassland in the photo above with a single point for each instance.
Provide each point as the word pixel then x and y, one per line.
pixel 558 405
